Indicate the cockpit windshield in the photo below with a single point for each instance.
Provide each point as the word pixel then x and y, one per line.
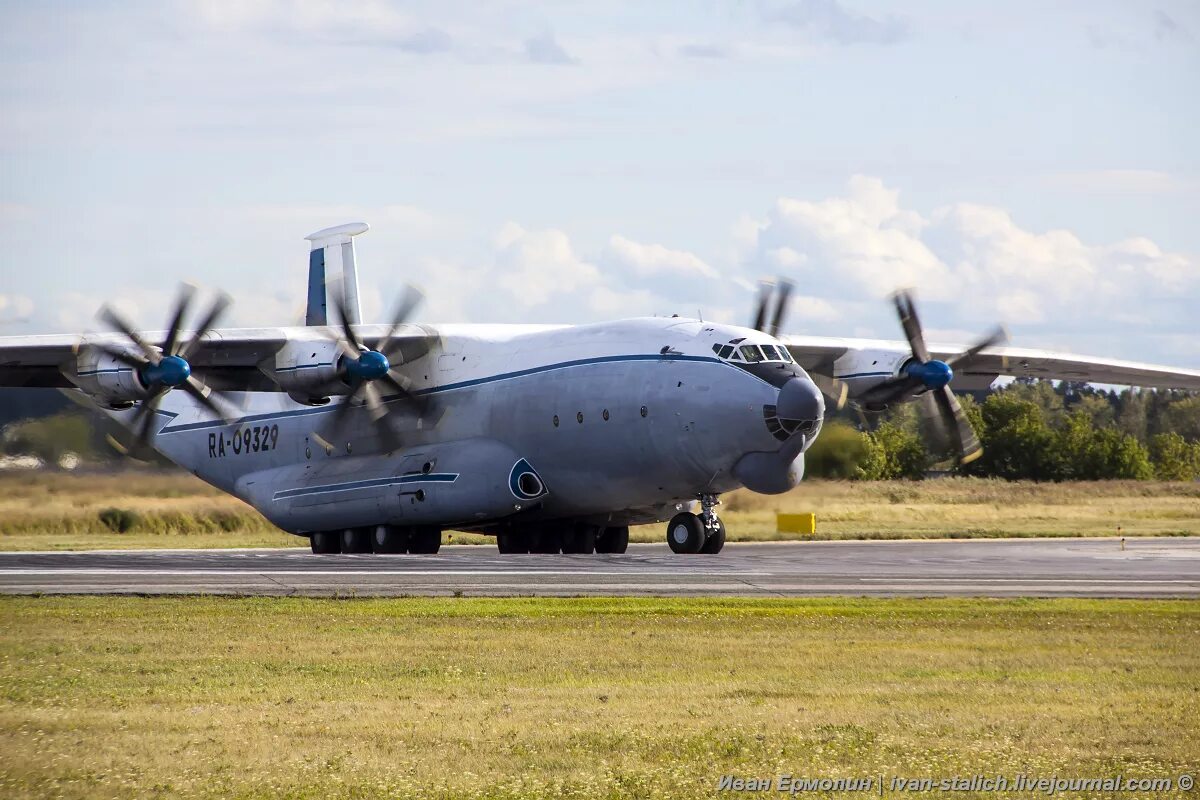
pixel 752 353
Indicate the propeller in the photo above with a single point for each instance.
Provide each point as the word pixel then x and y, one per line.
pixel 769 320
pixel 161 369
pixel 364 368
pixel 931 378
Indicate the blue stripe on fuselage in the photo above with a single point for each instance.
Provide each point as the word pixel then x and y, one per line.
pixel 450 387
pixel 350 486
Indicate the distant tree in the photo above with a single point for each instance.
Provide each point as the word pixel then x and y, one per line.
pixel 1182 416
pixel 1017 442
pixel 1175 458
pixel 837 453
pixel 892 452
pixel 50 438
pixel 1132 418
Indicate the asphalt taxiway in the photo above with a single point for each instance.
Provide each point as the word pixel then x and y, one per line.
pixel 1001 568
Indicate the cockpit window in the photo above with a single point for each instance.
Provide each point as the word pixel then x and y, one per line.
pixel 770 352
pixel 785 355
pixel 725 351
pixel 751 353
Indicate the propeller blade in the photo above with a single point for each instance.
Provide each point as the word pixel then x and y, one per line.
pixel 837 391
pixel 124 356
pixel 343 314
pixel 933 425
pixel 408 303
pixel 964 360
pixel 206 398
pixel 962 435
pixel 219 307
pixel 115 320
pixel 764 299
pixel 907 310
pixel 186 293
pixel 374 402
pixel 143 417
pixel 785 289
pixel 403 387
pixel 889 391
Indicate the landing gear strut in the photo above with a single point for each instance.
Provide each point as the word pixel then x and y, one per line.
pixel 691 533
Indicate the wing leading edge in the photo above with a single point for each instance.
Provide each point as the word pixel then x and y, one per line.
pixel 840 358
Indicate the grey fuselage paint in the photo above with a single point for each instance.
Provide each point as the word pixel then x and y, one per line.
pixel 620 421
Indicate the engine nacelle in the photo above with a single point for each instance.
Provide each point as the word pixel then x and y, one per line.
pixel 107 380
pixel 307 370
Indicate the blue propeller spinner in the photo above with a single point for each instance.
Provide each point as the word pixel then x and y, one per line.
pixel 161 369
pixel 930 378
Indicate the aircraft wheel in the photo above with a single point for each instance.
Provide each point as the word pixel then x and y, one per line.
pixel 326 542
pixel 389 539
pixel 580 539
pixel 613 540
pixel 685 533
pixel 356 540
pixel 515 541
pixel 424 540
pixel 716 540
pixel 546 540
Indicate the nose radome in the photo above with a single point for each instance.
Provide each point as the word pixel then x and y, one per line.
pixel 800 399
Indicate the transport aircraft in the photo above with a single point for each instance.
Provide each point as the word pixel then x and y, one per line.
pixel 553 438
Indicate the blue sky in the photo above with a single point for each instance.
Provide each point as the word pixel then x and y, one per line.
pixel 1029 163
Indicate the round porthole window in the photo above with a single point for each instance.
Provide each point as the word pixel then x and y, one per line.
pixel 556 420
pixel 605 415
pixel 579 417
pixel 308 452
pixel 645 411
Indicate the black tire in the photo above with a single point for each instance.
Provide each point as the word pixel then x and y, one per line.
pixel 546 541
pixel 389 539
pixel 424 540
pixel 613 540
pixel 356 540
pixel 326 543
pixel 512 542
pixel 580 539
pixel 685 533
pixel 715 541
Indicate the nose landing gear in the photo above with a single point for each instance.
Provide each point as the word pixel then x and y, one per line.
pixel 689 533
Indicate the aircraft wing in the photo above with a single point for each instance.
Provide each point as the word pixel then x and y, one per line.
pixel 839 358
pixel 228 358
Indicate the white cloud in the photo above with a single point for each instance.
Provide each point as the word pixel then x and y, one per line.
pixel 15 307
pixel 535 265
pixel 654 259
pixel 977 261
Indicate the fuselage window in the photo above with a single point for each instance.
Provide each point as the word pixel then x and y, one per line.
pixel 751 353
pixel 770 352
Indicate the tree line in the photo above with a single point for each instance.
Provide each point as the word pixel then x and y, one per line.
pixel 1030 430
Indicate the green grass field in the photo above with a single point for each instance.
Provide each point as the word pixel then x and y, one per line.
pixel 605 698
pixel 62 511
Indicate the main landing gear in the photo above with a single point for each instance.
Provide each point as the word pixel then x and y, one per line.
pixel 567 538
pixel 689 533
pixel 415 539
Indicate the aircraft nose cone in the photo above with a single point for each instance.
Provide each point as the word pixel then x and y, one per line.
pixel 800 399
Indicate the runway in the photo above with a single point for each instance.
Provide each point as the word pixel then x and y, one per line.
pixel 1001 568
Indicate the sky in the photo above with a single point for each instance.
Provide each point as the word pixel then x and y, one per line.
pixel 1027 163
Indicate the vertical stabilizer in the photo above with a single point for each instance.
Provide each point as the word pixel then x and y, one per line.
pixel 331 264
